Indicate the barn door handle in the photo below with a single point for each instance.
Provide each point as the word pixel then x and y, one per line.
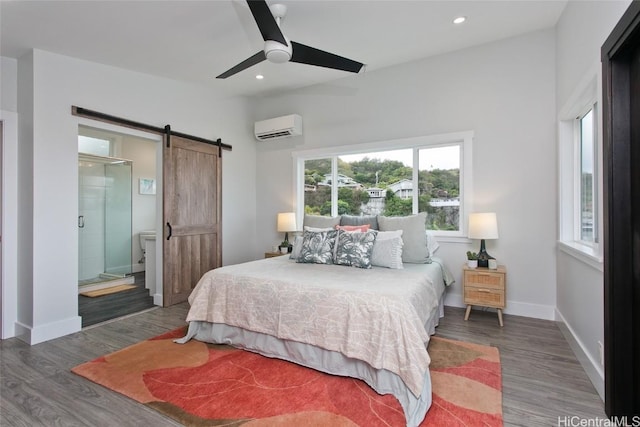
pixel 170 231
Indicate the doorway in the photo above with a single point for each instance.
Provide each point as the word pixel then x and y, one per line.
pixel 1 228
pixel 621 83
pixel 117 221
pixel 191 240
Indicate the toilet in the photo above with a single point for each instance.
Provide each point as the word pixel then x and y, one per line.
pixel 143 236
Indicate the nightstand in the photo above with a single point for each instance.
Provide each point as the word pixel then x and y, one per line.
pixel 273 254
pixel 484 287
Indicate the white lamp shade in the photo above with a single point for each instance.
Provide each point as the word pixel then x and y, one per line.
pixel 287 222
pixel 483 226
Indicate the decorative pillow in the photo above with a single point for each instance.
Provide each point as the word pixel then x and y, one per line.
pixel 361 228
pixel 318 221
pixel 372 220
pixel 354 248
pixel 317 248
pixel 387 250
pixel 414 250
pixel 297 247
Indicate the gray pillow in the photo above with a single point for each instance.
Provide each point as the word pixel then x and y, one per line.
pixel 317 247
pixel 317 221
pixel 372 220
pixel 354 248
pixel 414 249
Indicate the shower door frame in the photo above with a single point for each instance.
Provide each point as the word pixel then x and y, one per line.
pixel 107 272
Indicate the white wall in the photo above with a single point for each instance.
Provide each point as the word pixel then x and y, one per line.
pixel 142 152
pixel 503 91
pixel 581 31
pixel 9 118
pixel 49 84
pixel 8 84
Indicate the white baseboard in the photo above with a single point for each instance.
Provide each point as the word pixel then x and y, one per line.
pixel 35 335
pixel 537 311
pixel 590 365
pixel 157 299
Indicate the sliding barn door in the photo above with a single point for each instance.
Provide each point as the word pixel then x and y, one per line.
pixel 192 215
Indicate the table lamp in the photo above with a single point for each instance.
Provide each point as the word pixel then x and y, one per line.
pixel 483 226
pixel 286 223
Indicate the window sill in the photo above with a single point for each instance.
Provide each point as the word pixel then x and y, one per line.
pixel 448 238
pixel 583 253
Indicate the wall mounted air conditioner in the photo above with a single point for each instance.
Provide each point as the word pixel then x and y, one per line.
pixel 278 127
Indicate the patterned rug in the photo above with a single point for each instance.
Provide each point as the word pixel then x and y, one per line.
pixel 201 384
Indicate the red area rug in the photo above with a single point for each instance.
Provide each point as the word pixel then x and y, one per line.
pixel 201 384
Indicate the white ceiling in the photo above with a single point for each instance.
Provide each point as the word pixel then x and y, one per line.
pixel 197 40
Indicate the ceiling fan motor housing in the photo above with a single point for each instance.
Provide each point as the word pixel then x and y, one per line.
pixel 277 52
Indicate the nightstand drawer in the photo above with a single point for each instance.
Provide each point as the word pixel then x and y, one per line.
pixel 484 279
pixel 483 296
pixel 273 254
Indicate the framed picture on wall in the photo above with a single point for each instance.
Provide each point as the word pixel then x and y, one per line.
pixel 147 186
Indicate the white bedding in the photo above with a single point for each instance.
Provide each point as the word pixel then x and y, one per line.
pixel 377 316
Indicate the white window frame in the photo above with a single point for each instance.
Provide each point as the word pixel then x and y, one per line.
pixel 464 139
pixel 587 96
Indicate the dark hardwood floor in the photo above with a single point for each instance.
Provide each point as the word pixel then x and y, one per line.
pixel 100 309
pixel 542 380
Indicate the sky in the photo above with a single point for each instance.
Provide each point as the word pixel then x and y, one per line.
pixel 430 158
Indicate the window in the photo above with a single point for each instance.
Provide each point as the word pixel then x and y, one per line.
pixel 580 183
pixel 392 178
pixel 95 146
pixel 588 231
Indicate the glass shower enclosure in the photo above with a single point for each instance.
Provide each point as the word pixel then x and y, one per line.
pixel 104 219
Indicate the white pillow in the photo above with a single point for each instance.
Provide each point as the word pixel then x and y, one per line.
pixel 387 249
pixel 432 243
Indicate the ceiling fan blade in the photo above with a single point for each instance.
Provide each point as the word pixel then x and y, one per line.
pixel 255 59
pixel 266 22
pixel 310 55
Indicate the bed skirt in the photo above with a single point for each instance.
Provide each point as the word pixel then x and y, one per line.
pixel 331 362
pixel 381 380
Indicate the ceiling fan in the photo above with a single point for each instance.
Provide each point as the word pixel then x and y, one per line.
pixel 278 49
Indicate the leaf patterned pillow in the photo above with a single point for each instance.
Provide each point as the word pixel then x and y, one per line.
pixel 354 248
pixel 317 247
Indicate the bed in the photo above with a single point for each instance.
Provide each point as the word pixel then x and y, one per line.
pixel 373 324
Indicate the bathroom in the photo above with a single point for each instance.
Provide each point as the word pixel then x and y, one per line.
pixel 117 204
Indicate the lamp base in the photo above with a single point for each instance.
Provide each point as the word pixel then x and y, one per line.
pixel 285 243
pixel 483 256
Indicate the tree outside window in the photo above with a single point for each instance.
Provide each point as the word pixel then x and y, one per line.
pixel 384 183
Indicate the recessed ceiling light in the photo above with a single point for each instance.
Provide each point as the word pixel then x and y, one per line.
pixel 259 77
pixel 459 19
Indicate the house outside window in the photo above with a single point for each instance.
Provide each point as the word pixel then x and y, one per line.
pixel 391 178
